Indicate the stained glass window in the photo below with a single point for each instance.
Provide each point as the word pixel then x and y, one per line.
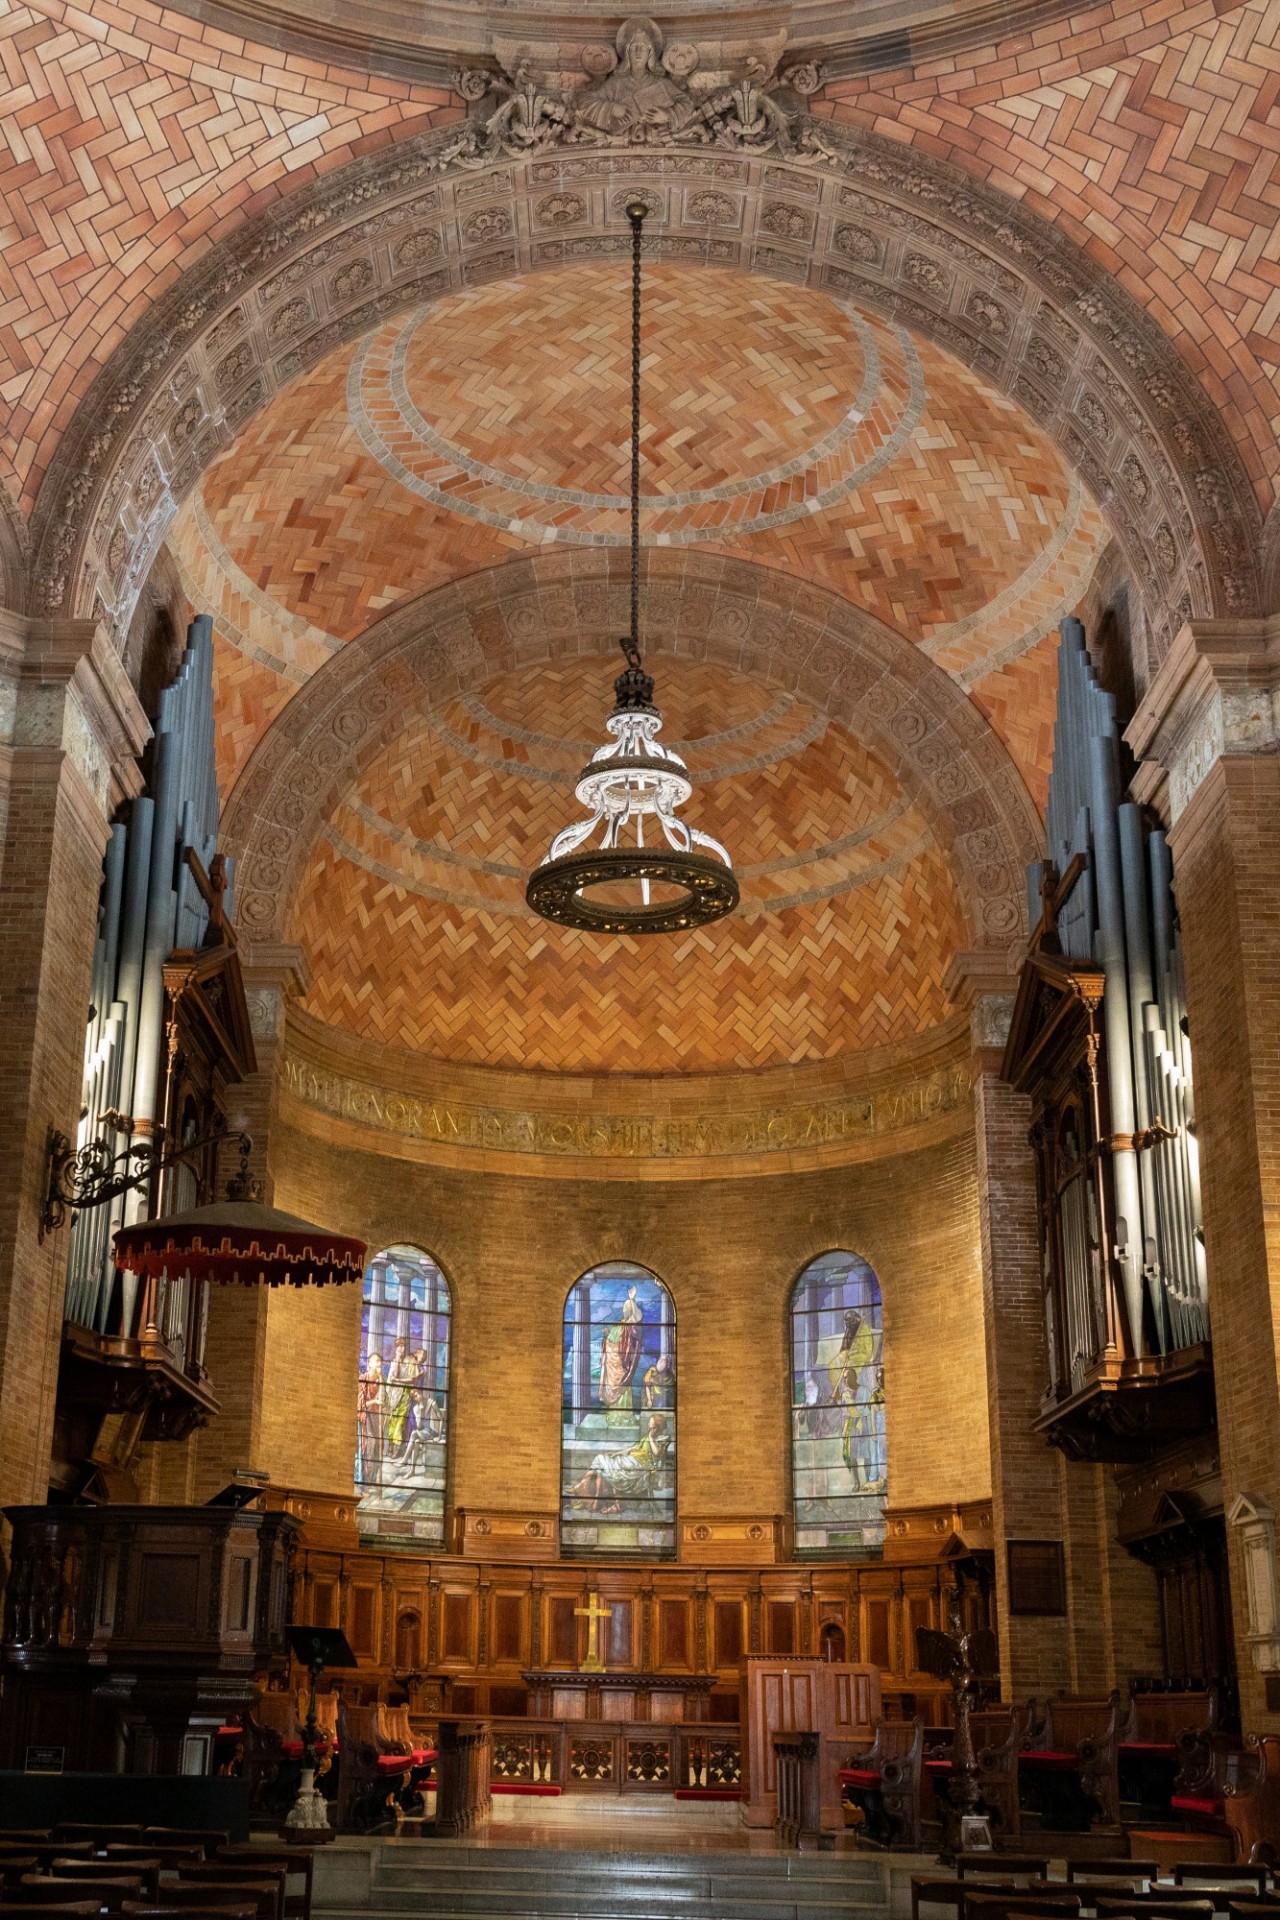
pixel 838 1461
pixel 402 1427
pixel 618 1432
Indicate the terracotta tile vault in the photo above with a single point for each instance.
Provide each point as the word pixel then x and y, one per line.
pixel 412 906
pixel 782 426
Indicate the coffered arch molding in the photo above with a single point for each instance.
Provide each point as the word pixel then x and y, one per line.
pixel 862 217
pixel 736 614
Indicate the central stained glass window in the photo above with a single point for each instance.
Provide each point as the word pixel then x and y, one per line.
pixel 402 1427
pixel 618 1431
pixel 838 1458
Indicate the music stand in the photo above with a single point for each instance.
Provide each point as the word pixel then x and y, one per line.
pixel 315 1648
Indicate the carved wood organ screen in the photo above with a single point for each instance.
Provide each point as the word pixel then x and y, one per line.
pixel 1099 1041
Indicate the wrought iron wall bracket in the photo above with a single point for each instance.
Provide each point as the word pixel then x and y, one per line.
pixel 77 1178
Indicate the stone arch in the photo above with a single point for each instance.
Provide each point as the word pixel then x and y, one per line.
pixel 13 554
pixel 911 237
pixel 907 710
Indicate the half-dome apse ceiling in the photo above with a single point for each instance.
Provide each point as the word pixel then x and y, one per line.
pixel 781 426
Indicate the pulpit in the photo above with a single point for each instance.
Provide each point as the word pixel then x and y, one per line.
pixel 137 1631
pixel 838 1701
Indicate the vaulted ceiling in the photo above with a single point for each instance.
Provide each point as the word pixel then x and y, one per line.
pixel 783 428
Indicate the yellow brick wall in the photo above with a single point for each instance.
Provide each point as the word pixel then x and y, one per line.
pixel 728 1250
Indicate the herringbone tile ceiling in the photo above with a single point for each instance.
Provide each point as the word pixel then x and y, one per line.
pixel 780 426
pixel 412 908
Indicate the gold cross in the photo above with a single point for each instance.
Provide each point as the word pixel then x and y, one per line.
pixel 593 1613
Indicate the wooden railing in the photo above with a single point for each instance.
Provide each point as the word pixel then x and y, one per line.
pixel 799 1815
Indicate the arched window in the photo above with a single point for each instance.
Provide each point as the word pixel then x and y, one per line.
pixel 838 1463
pixel 618 1431
pixel 402 1426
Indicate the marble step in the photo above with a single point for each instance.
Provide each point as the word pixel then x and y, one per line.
pixel 557 1901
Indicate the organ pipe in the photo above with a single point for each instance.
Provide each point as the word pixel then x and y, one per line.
pixel 150 905
pixel 1120 916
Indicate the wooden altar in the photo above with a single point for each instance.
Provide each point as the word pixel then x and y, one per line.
pixel 834 1699
pixel 617 1696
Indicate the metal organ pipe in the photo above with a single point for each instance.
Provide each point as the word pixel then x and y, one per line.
pixel 150 905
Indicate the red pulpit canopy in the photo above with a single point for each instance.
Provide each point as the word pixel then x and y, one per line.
pixel 240 1241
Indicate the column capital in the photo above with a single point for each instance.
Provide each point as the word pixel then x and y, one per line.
pixel 64 689
pixel 275 972
pixel 1216 694
pixel 984 982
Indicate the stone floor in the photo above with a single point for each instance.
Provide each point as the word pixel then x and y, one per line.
pixel 614 1823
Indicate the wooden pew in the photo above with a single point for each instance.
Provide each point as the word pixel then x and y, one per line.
pixel 885 1782
pixel 368 1774
pixel 1067 1765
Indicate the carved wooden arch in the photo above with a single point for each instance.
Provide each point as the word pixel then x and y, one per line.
pixel 907 710
pixel 865 218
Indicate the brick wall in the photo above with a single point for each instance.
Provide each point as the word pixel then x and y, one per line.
pixel 729 1251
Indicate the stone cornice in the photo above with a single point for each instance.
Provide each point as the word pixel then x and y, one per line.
pixel 783 1120
pixel 70 692
pixel 1217 693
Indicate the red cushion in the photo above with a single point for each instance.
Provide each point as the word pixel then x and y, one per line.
pixel 393 1763
pixel 861 1777
pixel 1187 1803
pixel 699 1793
pixel 291 1747
pixel 937 1766
pixel 540 1789
pixel 229 1733
pixel 1165 1749
pixel 1058 1762
pixel 422 1756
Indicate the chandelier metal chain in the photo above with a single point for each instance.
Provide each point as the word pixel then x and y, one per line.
pixel 615 886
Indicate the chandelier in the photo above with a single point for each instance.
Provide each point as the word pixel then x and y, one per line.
pixel 633 866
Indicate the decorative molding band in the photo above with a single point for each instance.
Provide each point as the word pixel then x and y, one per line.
pixel 635 1141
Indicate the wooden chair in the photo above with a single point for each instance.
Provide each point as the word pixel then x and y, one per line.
pixel 97 1833
pixel 932 1891
pixel 1012 1866
pixel 1219 1878
pixel 14 1865
pixel 170 1858
pixel 1163 1905
pixel 885 1780
pixel 209 1839
pixel 1028 1901
pixel 146 1871
pixel 47 1850
pixel 109 1890
pixel 139 1911
pixel 296 1863
pixel 368 1775
pixel 1116 1869
pixel 214 1874
pixel 193 1895
pixel 60 1910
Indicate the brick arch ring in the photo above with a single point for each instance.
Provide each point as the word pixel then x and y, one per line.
pixel 554 605
pixel 864 218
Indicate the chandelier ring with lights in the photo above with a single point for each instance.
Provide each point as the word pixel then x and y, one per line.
pixel 633 865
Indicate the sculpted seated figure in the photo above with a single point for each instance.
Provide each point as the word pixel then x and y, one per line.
pixel 638 97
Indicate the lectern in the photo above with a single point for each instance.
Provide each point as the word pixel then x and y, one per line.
pixel 784 1693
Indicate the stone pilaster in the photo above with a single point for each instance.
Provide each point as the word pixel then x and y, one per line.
pixel 71 729
pixel 1208 734
pixel 236 1348
pixel 1025 1493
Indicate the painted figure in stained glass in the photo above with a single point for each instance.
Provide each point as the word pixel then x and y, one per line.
pixel 618 1436
pixel 403 1399
pixel 838 1437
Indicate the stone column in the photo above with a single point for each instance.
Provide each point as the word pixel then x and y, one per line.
pixel 71 729
pixel 1208 734
pixel 236 1350
pixel 1026 1497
